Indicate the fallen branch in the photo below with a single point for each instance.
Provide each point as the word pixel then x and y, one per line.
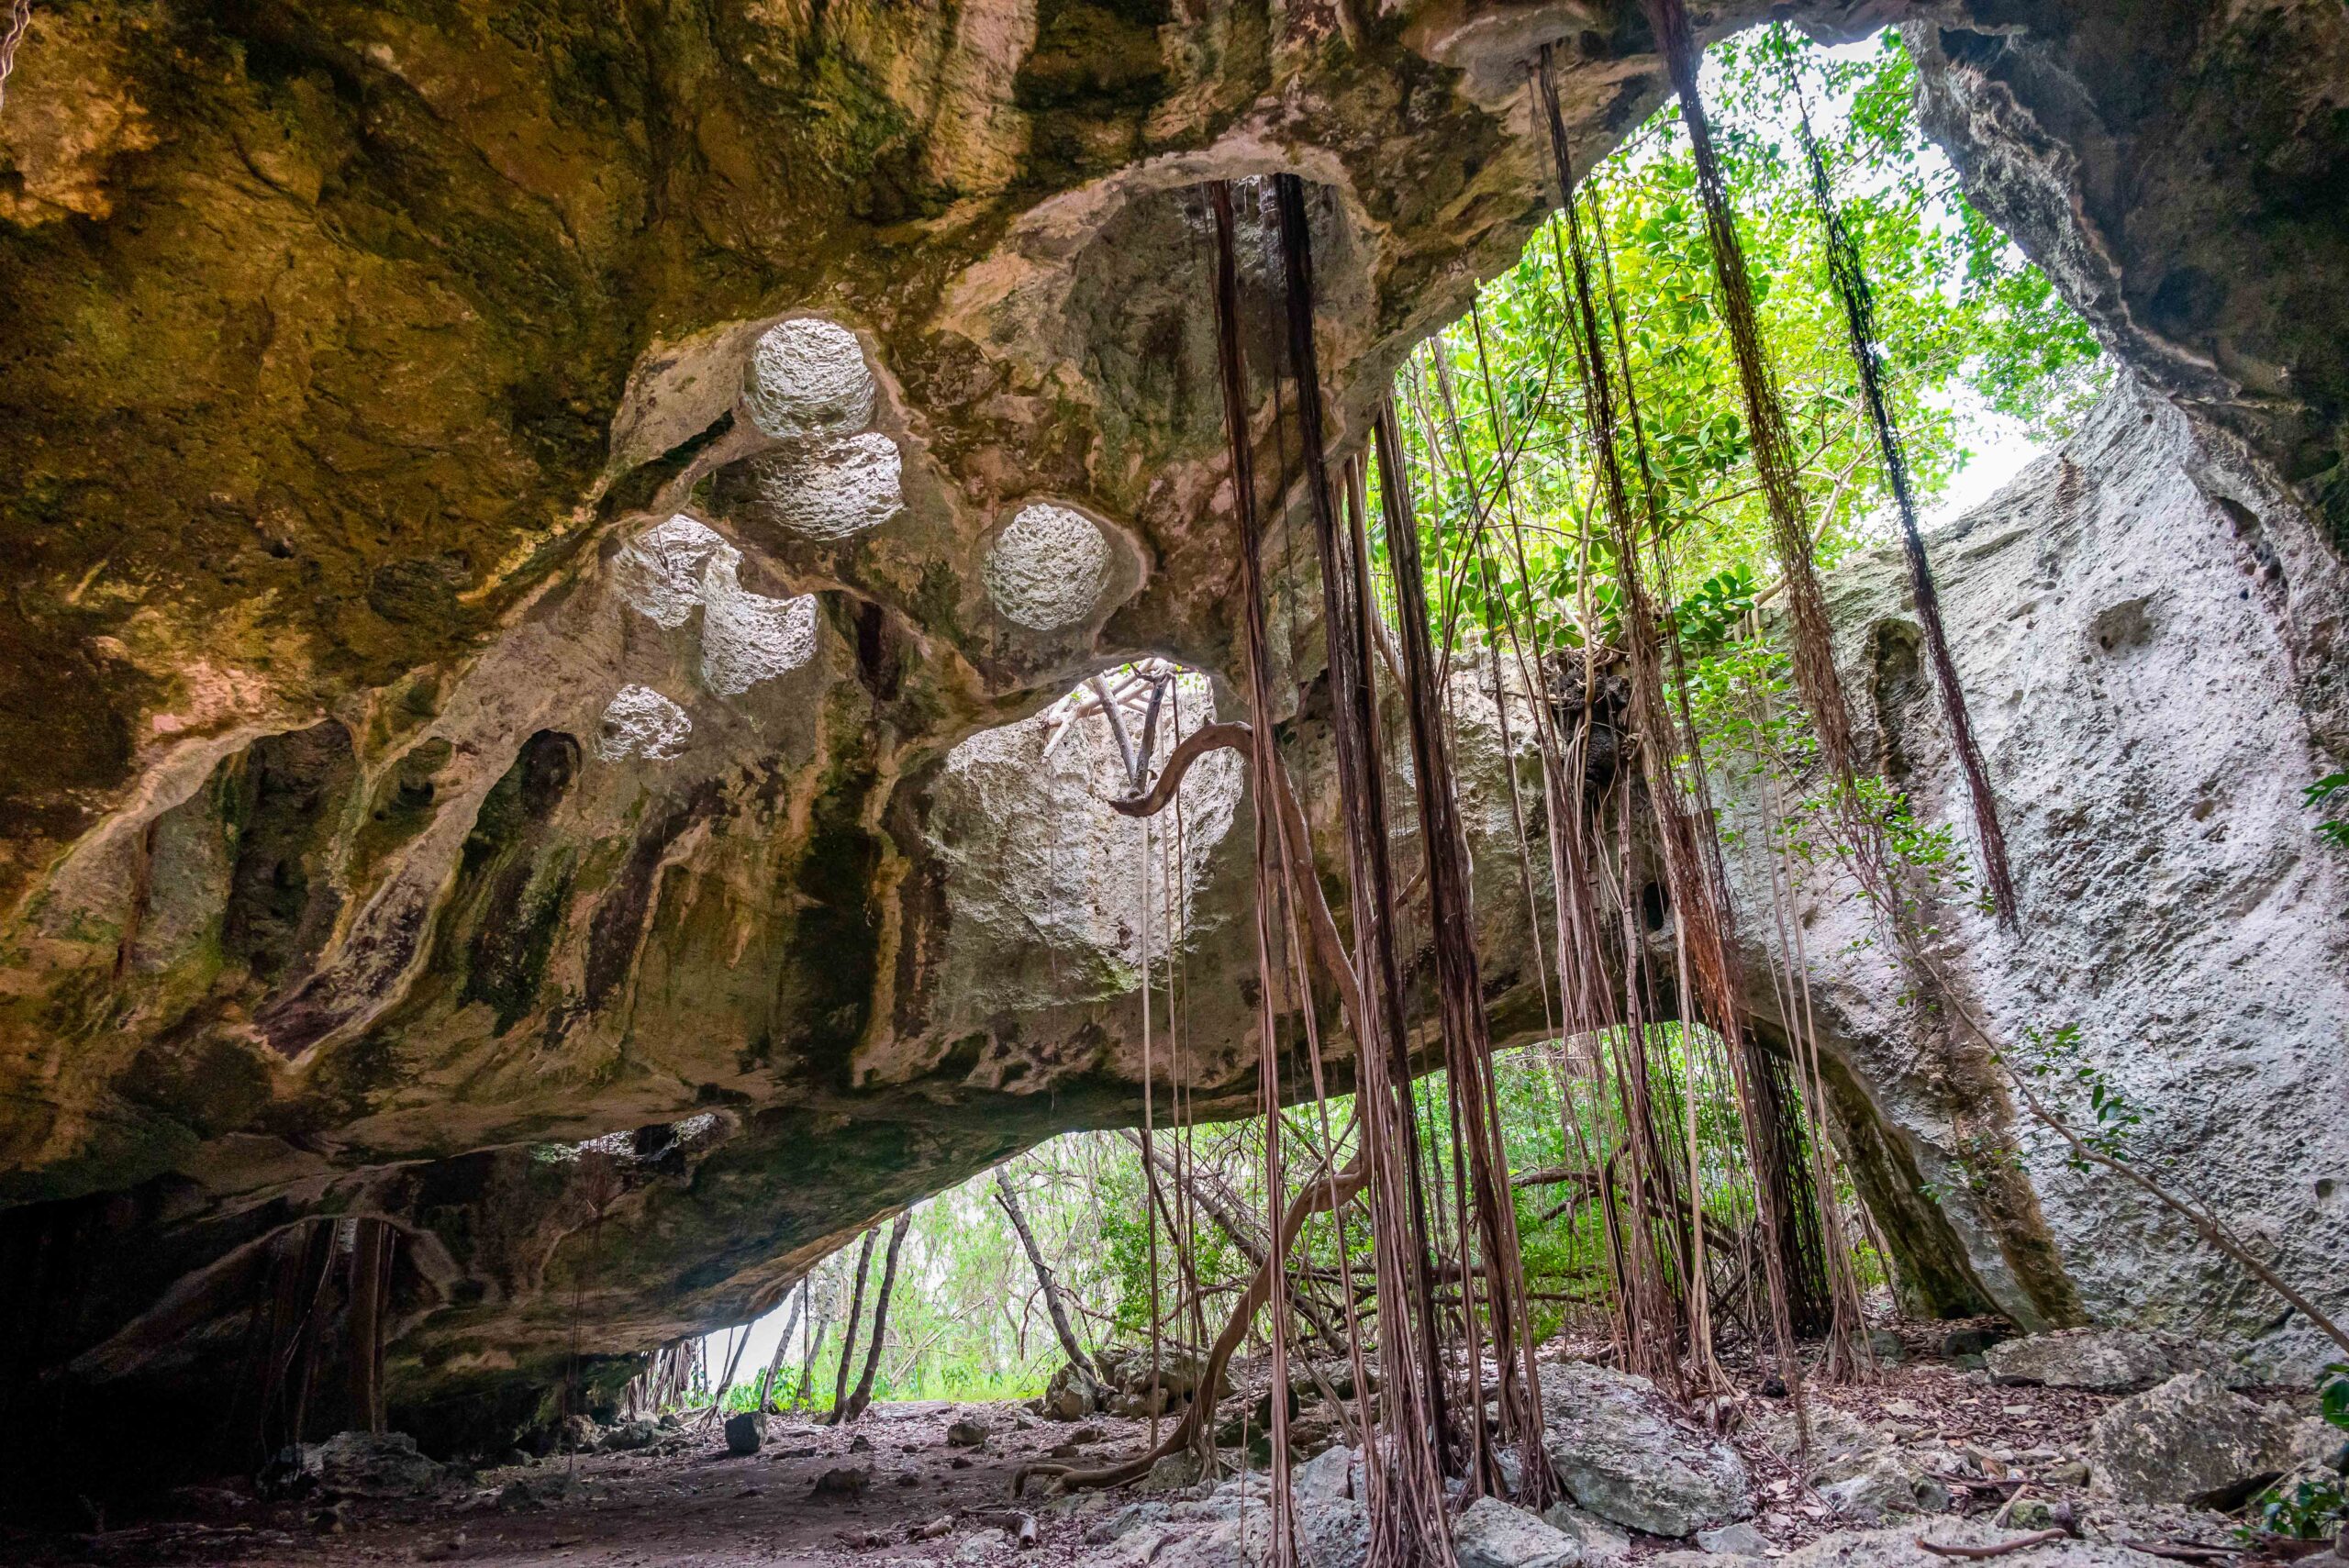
pixel 1320 1195
pixel 1022 1526
pixel 2020 1543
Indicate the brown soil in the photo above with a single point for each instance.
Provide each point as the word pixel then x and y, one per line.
pixel 690 1504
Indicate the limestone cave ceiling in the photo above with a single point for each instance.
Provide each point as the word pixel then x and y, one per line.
pixel 536 539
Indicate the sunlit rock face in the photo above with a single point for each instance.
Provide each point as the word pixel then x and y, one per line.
pixel 496 582
pixel 2139 621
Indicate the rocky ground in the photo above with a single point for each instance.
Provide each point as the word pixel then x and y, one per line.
pixel 2118 1438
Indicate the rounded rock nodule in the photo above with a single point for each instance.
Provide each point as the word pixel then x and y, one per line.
pixel 640 722
pixel 1047 568
pixel 808 378
pixel 835 491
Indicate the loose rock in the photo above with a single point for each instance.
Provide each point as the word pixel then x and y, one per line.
pixel 745 1432
pixel 2190 1441
pixel 1494 1534
pixel 1620 1454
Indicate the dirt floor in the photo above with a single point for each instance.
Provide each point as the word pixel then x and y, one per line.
pixel 689 1503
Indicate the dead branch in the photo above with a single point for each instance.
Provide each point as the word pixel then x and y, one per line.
pixel 2020 1543
pixel 1320 1195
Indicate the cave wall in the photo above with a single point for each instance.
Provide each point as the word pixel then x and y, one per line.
pixel 394 793
pixel 2139 622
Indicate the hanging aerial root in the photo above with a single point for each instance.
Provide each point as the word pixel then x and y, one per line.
pixel 1466 1030
pixel 1814 661
pixel 1859 319
pixel 1699 899
pixel 1320 1196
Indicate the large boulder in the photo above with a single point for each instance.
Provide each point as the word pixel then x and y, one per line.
pixel 2139 561
pixel 1071 1396
pixel 1135 1388
pixel 1625 1457
pixel 2191 1440
pixel 358 1464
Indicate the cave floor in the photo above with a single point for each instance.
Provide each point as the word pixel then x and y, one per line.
pixel 688 1502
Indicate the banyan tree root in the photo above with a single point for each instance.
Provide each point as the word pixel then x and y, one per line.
pixel 1859 319
pixel 1774 462
pixel 1320 1196
pixel 1236 736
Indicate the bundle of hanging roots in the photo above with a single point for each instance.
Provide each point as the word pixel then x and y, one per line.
pixel 1443 1327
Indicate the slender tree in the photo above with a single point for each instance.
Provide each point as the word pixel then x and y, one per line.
pixel 862 1396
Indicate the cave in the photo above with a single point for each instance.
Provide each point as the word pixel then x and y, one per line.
pixel 549 548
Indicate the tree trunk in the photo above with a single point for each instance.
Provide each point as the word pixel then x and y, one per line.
pixel 1050 1288
pixel 863 1394
pixel 782 1344
pixel 371 1255
pixel 855 1310
pixel 818 1325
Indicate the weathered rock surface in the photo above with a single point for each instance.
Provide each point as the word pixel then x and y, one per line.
pixel 745 1432
pixel 2107 1361
pixel 2191 1440
pixel 2142 628
pixel 1622 1453
pixel 360 1464
pixel 1490 1534
pixel 1597 1542
pixel 395 822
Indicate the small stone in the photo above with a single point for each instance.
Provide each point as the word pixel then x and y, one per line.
pixel 745 1432
pixel 844 1481
pixel 1739 1539
pixel 2031 1513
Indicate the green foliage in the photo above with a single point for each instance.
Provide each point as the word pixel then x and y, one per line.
pixel 2332 1393
pixel 2334 830
pixel 2308 1508
pixel 2054 1057
pixel 1960 312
